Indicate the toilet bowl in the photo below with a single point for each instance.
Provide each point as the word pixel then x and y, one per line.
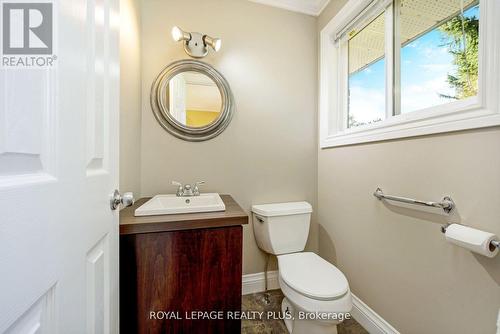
pixel 317 294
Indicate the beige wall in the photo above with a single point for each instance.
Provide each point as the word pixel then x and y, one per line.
pixel 130 96
pixel 396 259
pixel 329 12
pixel 268 153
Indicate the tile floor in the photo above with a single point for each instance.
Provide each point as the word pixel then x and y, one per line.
pixel 255 302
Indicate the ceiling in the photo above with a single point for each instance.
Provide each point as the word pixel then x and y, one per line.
pixel 309 7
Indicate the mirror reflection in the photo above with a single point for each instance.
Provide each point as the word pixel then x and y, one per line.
pixel 194 99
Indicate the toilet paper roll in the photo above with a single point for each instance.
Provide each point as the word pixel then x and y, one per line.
pixel 474 240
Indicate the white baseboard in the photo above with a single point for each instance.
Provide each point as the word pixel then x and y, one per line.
pixel 364 315
pixel 370 320
pixel 498 322
pixel 253 283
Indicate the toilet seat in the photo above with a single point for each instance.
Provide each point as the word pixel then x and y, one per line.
pixel 312 276
pixel 312 284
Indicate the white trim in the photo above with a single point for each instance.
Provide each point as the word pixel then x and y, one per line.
pixel 390 61
pixel 479 112
pixel 322 8
pixel 498 322
pixel 369 319
pixel 253 283
pixel 362 313
pixel 313 8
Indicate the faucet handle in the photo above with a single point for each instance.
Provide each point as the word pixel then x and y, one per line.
pixel 196 190
pixel 180 188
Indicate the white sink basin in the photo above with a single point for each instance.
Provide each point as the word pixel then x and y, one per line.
pixel 171 204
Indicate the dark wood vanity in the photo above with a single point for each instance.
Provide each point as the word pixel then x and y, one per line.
pixel 180 264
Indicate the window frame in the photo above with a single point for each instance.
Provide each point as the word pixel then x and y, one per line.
pixel 474 112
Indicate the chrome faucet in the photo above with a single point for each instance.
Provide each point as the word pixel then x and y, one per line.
pixel 188 190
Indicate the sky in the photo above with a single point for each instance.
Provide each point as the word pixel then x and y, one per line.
pixel 425 64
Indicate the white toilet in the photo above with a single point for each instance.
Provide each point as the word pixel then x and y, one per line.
pixel 316 293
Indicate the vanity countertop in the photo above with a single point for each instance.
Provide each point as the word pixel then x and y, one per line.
pixel 233 216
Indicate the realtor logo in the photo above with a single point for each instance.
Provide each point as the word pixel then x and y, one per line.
pixel 27 30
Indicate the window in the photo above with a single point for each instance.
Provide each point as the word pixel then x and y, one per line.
pixel 439 61
pixel 399 68
pixel 367 74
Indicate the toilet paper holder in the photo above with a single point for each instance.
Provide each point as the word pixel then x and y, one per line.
pixel 494 243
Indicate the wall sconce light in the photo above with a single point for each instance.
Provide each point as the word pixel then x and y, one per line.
pixel 195 44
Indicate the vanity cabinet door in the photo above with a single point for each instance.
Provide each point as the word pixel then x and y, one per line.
pixel 179 273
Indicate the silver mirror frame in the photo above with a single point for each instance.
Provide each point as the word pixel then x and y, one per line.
pixel 169 123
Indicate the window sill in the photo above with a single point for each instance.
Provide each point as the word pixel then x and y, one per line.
pixel 418 123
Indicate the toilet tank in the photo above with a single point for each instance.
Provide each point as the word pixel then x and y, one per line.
pixel 282 228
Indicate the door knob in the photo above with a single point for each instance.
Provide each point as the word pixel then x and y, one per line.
pixel 116 199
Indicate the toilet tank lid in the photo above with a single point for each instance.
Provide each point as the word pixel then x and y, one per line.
pixel 282 209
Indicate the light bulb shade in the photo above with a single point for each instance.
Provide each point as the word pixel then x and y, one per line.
pixel 178 34
pixel 217 44
pixel 214 43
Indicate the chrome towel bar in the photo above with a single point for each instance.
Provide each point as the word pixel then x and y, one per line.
pixel 446 203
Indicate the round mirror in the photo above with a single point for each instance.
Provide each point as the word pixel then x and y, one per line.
pixel 191 100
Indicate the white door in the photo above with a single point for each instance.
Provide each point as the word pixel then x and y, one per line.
pixel 58 165
pixel 177 92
